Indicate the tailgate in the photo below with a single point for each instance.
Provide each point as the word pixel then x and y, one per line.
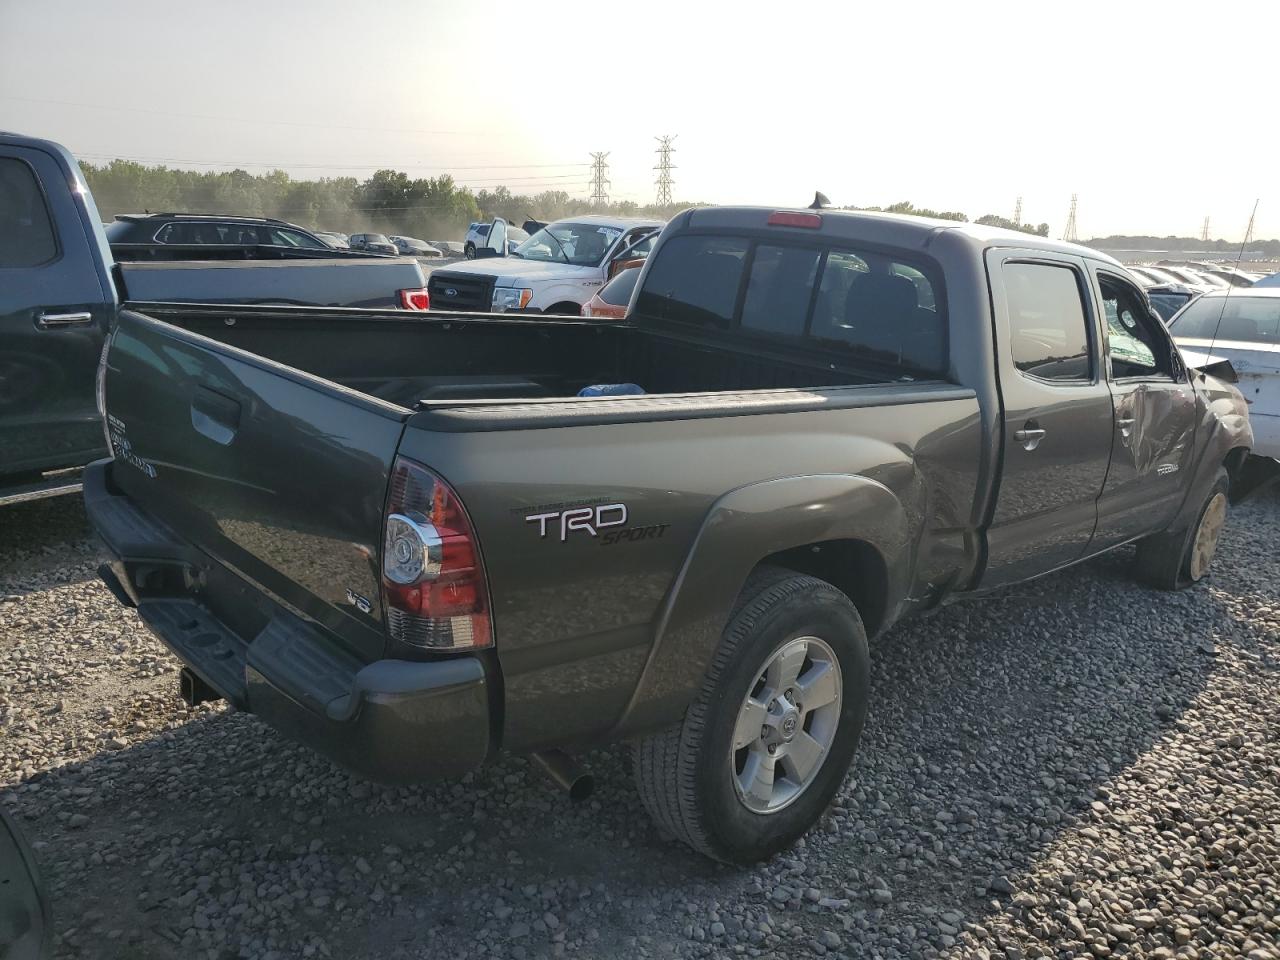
pixel 279 475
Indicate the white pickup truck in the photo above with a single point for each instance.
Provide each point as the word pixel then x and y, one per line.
pixel 556 270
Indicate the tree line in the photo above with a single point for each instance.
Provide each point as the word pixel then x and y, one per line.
pixel 392 202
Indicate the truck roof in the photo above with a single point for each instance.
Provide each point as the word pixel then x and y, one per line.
pixel 908 230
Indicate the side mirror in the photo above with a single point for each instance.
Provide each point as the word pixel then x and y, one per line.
pixel 25 928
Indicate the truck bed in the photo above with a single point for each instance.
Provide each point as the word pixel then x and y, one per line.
pixel 418 362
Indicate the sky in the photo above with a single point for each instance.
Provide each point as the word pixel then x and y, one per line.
pixel 1156 114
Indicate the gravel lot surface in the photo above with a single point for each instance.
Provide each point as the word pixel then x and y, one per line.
pixel 1080 767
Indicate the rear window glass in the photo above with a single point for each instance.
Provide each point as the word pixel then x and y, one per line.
pixel 778 290
pixel 1248 319
pixel 695 281
pixel 618 290
pixel 26 234
pixel 866 303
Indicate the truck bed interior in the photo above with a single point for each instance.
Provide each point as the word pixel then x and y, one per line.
pixel 413 361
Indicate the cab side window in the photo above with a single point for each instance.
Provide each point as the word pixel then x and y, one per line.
pixel 1137 346
pixel 1048 326
pixel 26 233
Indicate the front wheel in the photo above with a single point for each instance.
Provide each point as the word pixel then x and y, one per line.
pixel 765 745
pixel 1180 558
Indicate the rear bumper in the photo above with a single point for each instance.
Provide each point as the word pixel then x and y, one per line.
pixel 395 721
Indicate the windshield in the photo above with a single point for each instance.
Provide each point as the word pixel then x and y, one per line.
pixel 581 244
pixel 1249 319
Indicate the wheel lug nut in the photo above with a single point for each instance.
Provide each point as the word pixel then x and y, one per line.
pixel 773 748
pixel 764 733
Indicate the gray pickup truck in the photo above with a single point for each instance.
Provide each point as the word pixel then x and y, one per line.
pixel 413 545
pixel 61 286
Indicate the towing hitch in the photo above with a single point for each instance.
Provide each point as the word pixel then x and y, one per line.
pixel 193 690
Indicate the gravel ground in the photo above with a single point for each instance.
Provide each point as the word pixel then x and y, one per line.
pixel 1078 768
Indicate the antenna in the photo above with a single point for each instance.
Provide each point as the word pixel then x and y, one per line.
pixel 1017 213
pixel 1070 232
pixel 600 177
pixel 664 168
pixel 1248 233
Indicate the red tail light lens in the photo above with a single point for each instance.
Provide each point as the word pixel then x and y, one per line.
pixel 782 218
pixel 432 576
pixel 415 299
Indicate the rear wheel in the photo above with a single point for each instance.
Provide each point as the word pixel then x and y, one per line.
pixel 765 745
pixel 1180 558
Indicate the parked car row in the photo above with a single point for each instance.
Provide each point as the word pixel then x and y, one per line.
pixel 1194 275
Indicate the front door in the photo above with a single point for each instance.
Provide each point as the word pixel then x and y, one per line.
pixel 1153 437
pixel 1056 414
pixel 53 318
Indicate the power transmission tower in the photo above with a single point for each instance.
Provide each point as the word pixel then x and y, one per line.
pixel 600 177
pixel 1017 213
pixel 1248 233
pixel 1204 231
pixel 664 168
pixel 1070 233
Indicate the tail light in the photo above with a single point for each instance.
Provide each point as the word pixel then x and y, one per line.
pixel 416 298
pixel 432 576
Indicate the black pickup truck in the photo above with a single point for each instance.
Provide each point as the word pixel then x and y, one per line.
pixel 60 290
pixel 413 545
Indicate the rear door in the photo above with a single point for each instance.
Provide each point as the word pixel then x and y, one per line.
pixel 1056 414
pixel 278 474
pixel 55 305
pixel 1153 438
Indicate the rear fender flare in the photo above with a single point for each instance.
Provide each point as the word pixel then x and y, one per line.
pixel 741 529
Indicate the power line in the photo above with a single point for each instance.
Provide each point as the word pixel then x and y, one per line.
pixel 664 168
pixel 600 177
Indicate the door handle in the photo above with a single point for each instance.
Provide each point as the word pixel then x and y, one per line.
pixel 1029 436
pixel 56 321
pixel 215 416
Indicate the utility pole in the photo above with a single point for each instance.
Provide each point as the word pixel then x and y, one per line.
pixel 664 168
pixel 1017 213
pixel 600 177
pixel 1069 234
pixel 1204 231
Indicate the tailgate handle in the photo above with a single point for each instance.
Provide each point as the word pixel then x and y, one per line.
pixel 214 415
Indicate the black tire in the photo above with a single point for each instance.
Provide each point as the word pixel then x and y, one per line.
pixel 565 309
pixel 684 774
pixel 1164 560
pixel 469 251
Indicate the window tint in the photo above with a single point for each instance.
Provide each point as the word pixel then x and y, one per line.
pixel 198 232
pixel 292 238
pixel 1048 333
pixel 695 280
pixel 867 304
pixel 1244 318
pixel 1136 342
pixel 779 289
pixel 26 235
